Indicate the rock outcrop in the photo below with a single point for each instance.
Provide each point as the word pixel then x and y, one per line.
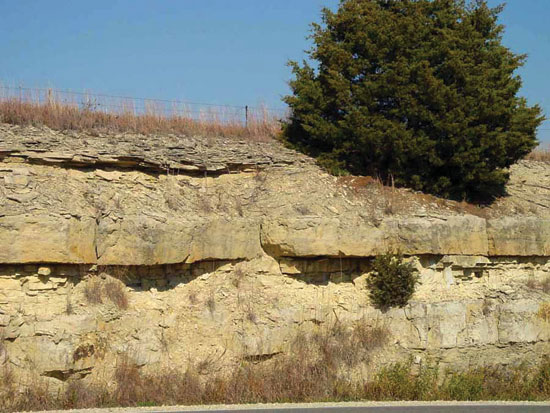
pixel 226 249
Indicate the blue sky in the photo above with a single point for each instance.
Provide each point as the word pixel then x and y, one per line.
pixel 215 51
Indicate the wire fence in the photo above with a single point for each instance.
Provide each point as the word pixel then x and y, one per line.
pixel 114 104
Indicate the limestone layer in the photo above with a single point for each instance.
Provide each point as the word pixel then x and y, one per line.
pixel 467 311
pixel 129 200
pixel 144 241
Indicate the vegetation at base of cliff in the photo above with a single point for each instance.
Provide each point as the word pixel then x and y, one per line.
pixel 292 382
pixel 318 367
pixel 392 281
pixel 421 93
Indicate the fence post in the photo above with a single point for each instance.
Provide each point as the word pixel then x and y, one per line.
pixel 246 116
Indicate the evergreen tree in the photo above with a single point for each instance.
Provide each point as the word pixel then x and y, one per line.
pixel 419 91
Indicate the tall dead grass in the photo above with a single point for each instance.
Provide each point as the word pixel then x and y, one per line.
pixel 61 110
pixel 539 154
pixel 316 368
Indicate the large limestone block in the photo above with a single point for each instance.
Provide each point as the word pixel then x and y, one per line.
pixel 321 237
pixel 434 326
pixel 47 238
pixel 446 321
pixel 523 236
pixel 482 324
pixel 226 240
pixel 48 356
pixel 466 234
pixel 518 322
pixel 142 240
pixel 334 237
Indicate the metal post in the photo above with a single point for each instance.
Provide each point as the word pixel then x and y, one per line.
pixel 246 116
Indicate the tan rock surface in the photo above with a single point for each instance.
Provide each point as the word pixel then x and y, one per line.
pixel 226 249
pixel 138 209
pixel 224 312
pixel 526 236
pixel 47 238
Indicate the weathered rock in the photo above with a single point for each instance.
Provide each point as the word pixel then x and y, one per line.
pixel 334 237
pixel 466 235
pixel 171 249
pixel 47 238
pixel 131 151
pixel 44 271
pixel 512 236
pixel 147 241
pixel 249 309
pixel 322 237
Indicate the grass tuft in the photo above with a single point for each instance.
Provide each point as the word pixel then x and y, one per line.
pixel 544 312
pixel 98 290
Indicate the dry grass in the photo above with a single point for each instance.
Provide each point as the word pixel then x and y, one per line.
pixel 93 290
pixel 115 291
pixel 315 368
pixel 348 347
pixel 539 154
pixel 238 277
pixel 532 284
pixel 211 304
pixel 99 290
pixel 251 315
pixel 402 382
pixel 193 298
pixel 392 200
pixel 3 349
pixel 543 285
pixel 97 113
pixel 544 312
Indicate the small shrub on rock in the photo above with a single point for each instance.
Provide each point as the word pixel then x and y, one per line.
pixel 392 281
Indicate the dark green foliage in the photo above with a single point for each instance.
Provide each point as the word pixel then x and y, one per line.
pixel 421 91
pixel 427 382
pixel 392 281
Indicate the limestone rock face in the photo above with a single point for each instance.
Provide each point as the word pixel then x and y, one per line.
pixel 466 235
pixel 47 238
pixel 189 154
pixel 138 205
pixel 334 237
pixel 176 248
pixel 148 241
pixel 251 309
pixel 526 236
pixel 315 237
